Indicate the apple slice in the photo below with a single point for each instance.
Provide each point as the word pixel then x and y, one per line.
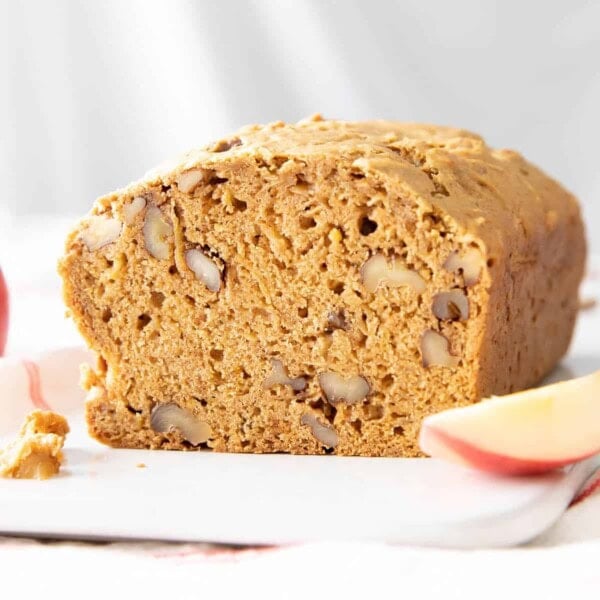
pixel 523 433
pixel 3 313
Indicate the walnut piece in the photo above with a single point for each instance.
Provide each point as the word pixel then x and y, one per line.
pixel 376 272
pixel 279 376
pixel 225 145
pixel 167 417
pixel 204 269
pixel 337 320
pixel 133 209
pixel 451 306
pixel 100 231
pixel 337 389
pixel 470 264
pixel 435 350
pixel 157 233
pixel 324 433
pixel 37 451
pixel 188 181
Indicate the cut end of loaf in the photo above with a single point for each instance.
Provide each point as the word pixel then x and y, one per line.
pixel 296 289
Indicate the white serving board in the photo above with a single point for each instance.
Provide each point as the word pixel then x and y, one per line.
pixel 102 493
pixel 280 499
pixel 276 499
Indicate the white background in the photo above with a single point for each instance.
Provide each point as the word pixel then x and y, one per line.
pixel 96 93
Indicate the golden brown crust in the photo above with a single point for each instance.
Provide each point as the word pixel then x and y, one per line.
pixel 192 281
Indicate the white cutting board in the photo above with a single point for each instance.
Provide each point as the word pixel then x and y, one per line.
pixel 279 499
pixel 276 499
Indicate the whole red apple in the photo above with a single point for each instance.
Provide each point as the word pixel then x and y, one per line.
pixel 3 313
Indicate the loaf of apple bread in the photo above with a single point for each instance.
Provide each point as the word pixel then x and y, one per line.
pixel 320 287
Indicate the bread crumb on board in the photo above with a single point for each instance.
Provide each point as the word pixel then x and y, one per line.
pixel 36 453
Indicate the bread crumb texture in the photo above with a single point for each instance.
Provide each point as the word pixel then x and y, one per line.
pixel 320 288
pixel 36 453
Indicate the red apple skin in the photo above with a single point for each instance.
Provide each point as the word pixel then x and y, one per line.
pixel 491 462
pixel 3 313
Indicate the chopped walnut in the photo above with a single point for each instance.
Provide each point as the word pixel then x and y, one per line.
pixel 337 320
pixel 157 233
pixel 279 376
pixel 133 209
pixel 167 417
pixel 376 272
pixel 338 389
pixel 451 306
pixel 225 145
pixel 188 181
pixel 204 268
pixel 324 433
pixel 435 350
pixel 100 231
pixel 470 264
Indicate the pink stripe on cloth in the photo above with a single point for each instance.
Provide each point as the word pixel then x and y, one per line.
pixel 45 381
pixel 35 385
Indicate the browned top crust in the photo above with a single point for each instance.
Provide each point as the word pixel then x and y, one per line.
pixel 493 198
